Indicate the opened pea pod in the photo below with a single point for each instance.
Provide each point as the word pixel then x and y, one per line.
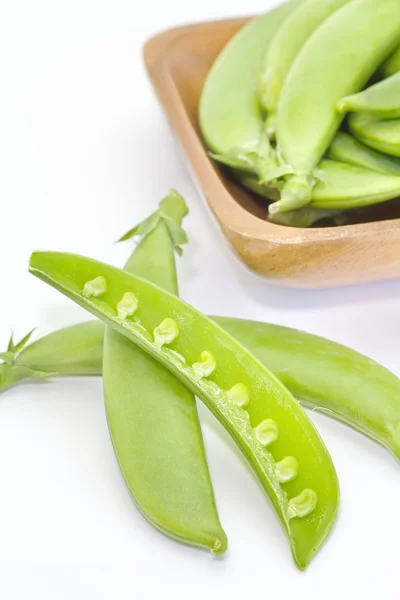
pixel 271 429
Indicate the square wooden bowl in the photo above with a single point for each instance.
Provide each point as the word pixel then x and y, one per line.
pixel 178 61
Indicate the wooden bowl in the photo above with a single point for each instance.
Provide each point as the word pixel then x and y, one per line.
pixel 366 250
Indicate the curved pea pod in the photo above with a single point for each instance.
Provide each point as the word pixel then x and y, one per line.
pixel 382 100
pixel 345 148
pixel 74 350
pixel 337 60
pixel 392 65
pixel 285 46
pixel 151 416
pixel 71 351
pixel 230 115
pixel 343 187
pixel 260 414
pixel 381 134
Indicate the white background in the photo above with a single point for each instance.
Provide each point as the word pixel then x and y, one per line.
pixel 85 152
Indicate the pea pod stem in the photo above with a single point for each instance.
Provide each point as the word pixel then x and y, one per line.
pixel 308 365
pixel 226 364
pixel 306 120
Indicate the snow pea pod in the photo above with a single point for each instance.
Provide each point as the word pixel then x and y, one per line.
pixel 345 148
pixel 309 366
pixel 154 428
pixel 381 100
pixel 75 350
pixel 230 115
pixel 346 186
pixel 269 426
pixel 381 134
pixel 70 351
pixel 284 48
pixel 328 68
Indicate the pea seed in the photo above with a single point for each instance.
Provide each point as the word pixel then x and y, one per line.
pixel 287 469
pixel 127 306
pixel 303 504
pixel 166 332
pixel 266 432
pixel 95 288
pixel 206 365
pixel 238 395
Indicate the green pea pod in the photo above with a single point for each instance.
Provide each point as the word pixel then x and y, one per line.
pixel 391 66
pixel 325 71
pixel 309 365
pixel 345 148
pixel 382 100
pixel 71 351
pixel 381 134
pixel 284 48
pixel 230 114
pixel 343 187
pixel 151 416
pixel 75 350
pixel 269 426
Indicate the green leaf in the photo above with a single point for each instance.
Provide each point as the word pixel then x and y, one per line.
pixel 129 234
pixel 21 344
pixel 172 209
pixel 9 376
pixel 178 235
pixel 143 228
pixel 36 374
pixel 11 347
pixel 7 357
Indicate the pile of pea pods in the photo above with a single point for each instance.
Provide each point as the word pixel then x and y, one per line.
pixel 303 107
pixel 156 353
